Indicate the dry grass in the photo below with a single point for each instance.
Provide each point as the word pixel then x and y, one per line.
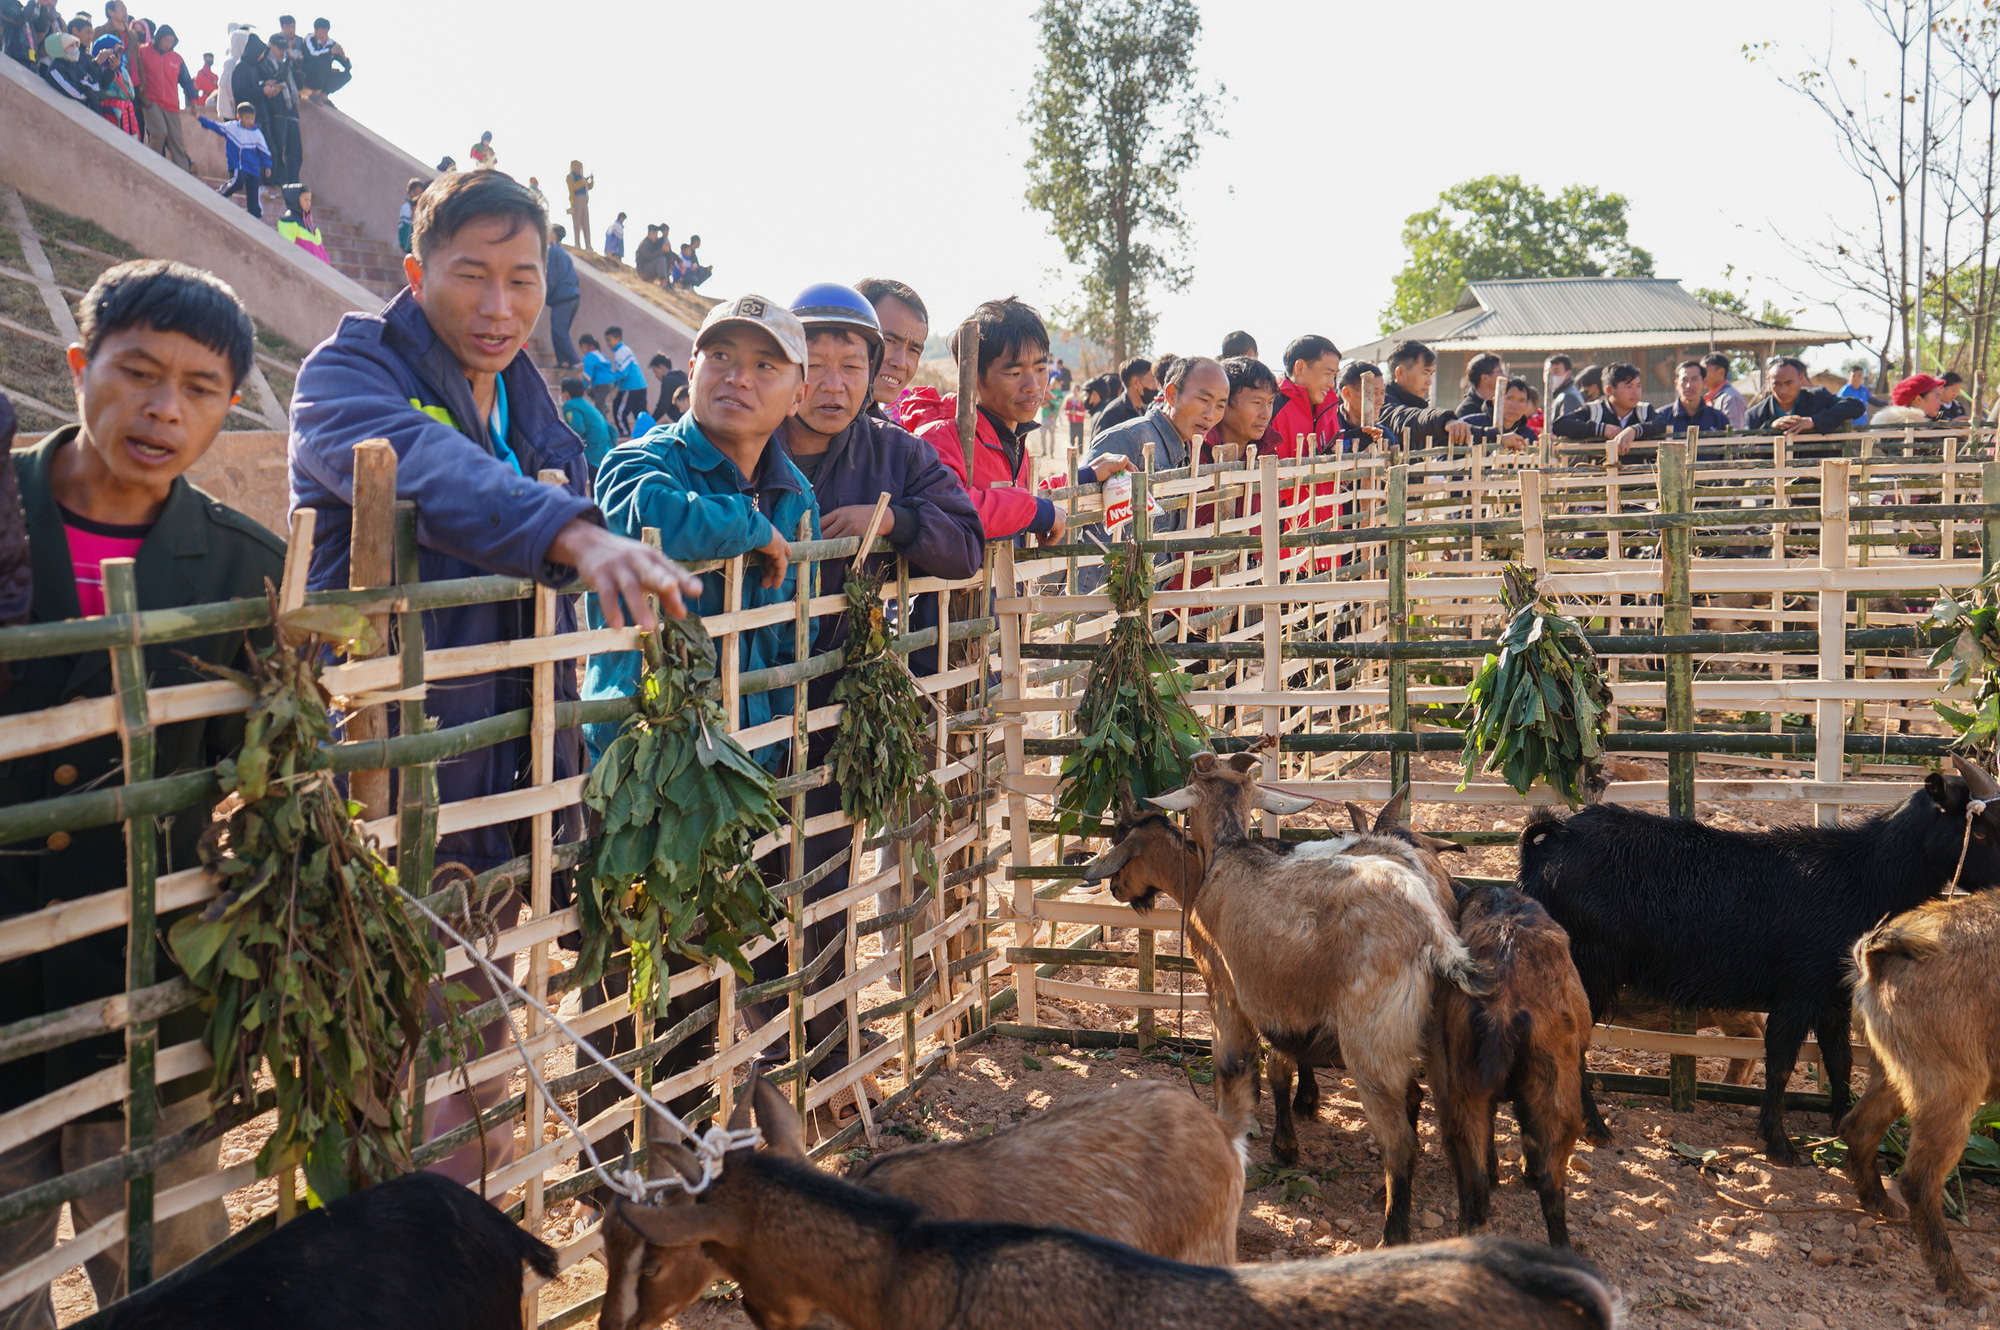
pixel 22 303
pixel 686 306
pixel 35 368
pixel 53 225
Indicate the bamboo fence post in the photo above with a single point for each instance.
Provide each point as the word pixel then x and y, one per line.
pixel 968 419
pixel 298 559
pixel 795 939
pixel 1142 530
pixel 1273 625
pixel 729 665
pixel 1021 843
pixel 1780 453
pixel 1859 722
pixel 371 562
pixel 1677 617
pixel 135 737
pixel 1534 538
pixel 416 795
pixel 943 827
pixel 1948 495
pixel 906 877
pixel 541 852
pixel 1827 727
pixel 981 695
pixel 1399 624
pixel 1989 530
pixel 1614 547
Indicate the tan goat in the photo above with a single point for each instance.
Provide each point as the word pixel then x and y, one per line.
pixel 1325 948
pixel 1143 1163
pixel 799 1242
pixel 1926 991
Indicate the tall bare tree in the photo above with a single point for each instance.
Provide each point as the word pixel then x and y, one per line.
pixel 1118 119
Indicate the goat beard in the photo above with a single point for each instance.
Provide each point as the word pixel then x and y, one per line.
pixel 1144 904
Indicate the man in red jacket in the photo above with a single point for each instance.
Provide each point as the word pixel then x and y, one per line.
pixel 1013 382
pixel 1309 409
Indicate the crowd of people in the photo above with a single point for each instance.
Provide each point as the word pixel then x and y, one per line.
pixel 789 420
pixel 131 72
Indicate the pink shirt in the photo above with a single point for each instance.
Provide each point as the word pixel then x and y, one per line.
pixel 90 544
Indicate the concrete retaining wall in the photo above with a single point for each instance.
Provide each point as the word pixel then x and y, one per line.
pixel 56 151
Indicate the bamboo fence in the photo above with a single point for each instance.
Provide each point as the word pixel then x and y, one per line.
pixel 942 919
pixel 1308 623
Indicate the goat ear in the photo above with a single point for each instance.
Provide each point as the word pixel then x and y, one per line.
pixel 777 1119
pixel 665 1159
pixel 1128 807
pixel 1436 846
pixel 1276 801
pixel 1176 801
pixel 1939 791
pixel 1977 782
pixel 1244 763
pixel 677 1225
pixel 1113 859
pixel 1204 761
pixel 1392 812
pixel 1358 816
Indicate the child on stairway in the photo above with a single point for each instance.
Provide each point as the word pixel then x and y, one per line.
pixel 297 225
pixel 249 155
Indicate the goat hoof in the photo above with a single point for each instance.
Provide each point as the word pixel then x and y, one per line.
pixel 1286 1153
pixel 1780 1152
pixel 1597 1134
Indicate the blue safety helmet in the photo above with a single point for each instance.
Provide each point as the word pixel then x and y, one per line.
pixel 831 305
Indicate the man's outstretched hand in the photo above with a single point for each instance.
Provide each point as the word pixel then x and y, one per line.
pixel 623 571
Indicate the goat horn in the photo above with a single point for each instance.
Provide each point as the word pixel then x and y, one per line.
pixel 1277 801
pixel 1977 782
pixel 1392 812
pixel 1113 859
pixel 1175 801
pixel 1357 815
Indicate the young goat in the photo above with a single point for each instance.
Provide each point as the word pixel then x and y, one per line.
pixel 1524 1043
pixel 1759 921
pixel 417 1252
pixel 1325 948
pixel 1143 1163
pixel 799 1242
pixel 1927 986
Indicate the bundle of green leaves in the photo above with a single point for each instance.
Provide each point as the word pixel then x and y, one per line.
pixel 1136 734
pixel 1971 662
pixel 682 803
pixel 310 961
pixel 881 753
pixel 1538 708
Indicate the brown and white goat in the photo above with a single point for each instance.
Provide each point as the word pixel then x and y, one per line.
pixel 1927 990
pixel 799 1242
pixel 1143 1163
pixel 1321 951
pixel 1523 1042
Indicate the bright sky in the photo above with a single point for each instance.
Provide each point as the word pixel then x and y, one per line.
pixel 810 142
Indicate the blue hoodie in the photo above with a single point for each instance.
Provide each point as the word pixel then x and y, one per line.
pixel 676 480
pixel 387 376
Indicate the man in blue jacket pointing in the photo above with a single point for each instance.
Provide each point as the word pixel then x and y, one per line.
pixel 440 373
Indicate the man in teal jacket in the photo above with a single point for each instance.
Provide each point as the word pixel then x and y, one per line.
pixel 718 483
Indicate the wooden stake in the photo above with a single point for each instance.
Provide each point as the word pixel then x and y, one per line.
pixel 1827 726
pixel 873 530
pixel 298 560
pixel 1273 625
pixel 1399 624
pixel 371 562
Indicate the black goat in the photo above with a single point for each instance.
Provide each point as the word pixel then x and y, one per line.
pixel 418 1252
pixel 1692 915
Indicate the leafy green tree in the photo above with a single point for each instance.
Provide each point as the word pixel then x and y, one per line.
pixel 1496 227
pixel 1117 121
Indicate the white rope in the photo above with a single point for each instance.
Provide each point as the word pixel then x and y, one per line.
pixel 709 1147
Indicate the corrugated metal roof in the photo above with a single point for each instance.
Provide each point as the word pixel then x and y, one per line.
pixel 1560 313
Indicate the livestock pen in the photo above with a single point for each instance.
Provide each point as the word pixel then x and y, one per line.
pixel 1817 543
pixel 1321 658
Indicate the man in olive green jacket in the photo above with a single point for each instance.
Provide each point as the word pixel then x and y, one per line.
pixel 164 348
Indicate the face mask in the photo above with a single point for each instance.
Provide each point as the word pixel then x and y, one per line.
pixel 1146 395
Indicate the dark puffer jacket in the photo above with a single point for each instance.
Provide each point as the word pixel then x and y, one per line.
pixel 17 570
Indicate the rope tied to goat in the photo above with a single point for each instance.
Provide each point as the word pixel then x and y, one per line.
pixel 1973 808
pixel 709 1147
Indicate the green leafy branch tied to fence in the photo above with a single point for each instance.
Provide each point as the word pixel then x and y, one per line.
pixel 682 805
